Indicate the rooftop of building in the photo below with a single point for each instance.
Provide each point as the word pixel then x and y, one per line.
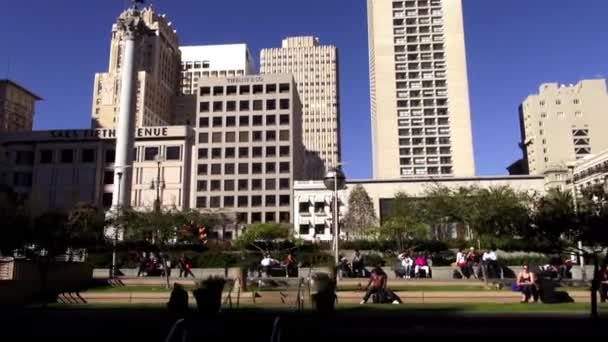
pixel 17 85
pixel 428 179
pixel 554 86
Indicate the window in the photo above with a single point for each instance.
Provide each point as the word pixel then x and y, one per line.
pixel 201 185
pixel 576 101
pixel 218 90
pixel 46 157
pixel 217 121
pixel 271 217
pixel 256 217
pixel 229 152
pixel 205 91
pixel 203 153
pixel 271 184
pixel 243 168
pixel 271 151
pixel 256 136
pixel 173 153
pixel 284 104
pixel 229 169
pixel 230 121
pixel 202 169
pixel 271 135
pixel 256 201
pixel 283 87
pixel 231 106
pixel 216 153
pixel 243 136
pixel 284 151
pixel 256 168
pixel 88 155
pixel 230 90
pixel 201 202
pixel 258 89
pixel 243 121
pixel 271 167
pixel 243 184
pixel 284 200
pixel 256 184
pixel 284 119
pixel 271 104
pixel 256 152
pixel 304 229
pixel 244 89
pixel 257 120
pixel 241 217
pixel 216 137
pixel 216 169
pixel 229 201
pixel 203 122
pixel 243 201
pixel 558 102
pixel 284 135
pixel 578 114
pixel 229 185
pixel 203 107
pixel 284 183
pixel 243 152
pixel 216 185
pixel 257 104
pixel 271 120
pixel 67 156
pixel 218 106
pixel 230 137
pixel 271 88
pixel 108 177
pixel 284 167
pixel 243 105
pixel 319 229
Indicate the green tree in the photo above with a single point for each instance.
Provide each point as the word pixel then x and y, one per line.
pixel 406 222
pixel 14 222
pixel 262 231
pixel 85 224
pixel 361 216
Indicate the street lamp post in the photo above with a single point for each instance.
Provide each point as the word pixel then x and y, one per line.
pixel 157 184
pixel 580 243
pixel 115 240
pixel 334 180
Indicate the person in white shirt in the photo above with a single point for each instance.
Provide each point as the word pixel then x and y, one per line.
pixel 461 264
pixel 407 263
pixel 267 262
pixel 489 262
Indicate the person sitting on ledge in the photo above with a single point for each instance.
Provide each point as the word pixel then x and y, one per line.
pixel 526 281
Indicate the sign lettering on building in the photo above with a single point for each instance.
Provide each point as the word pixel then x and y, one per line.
pixel 245 79
pixel 107 133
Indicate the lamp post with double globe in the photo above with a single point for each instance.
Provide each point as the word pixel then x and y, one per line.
pixel 335 180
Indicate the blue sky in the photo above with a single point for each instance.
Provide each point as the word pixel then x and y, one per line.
pixel 55 47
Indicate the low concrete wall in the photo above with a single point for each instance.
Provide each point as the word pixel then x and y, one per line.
pixel 439 273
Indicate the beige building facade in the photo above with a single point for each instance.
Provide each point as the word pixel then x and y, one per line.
pixel 17 107
pixel 248 149
pixel 313 202
pixel 563 123
pixel 315 68
pixel 55 170
pixel 420 112
pixel 157 64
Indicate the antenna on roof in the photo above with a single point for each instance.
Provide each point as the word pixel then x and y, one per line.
pixel 8 67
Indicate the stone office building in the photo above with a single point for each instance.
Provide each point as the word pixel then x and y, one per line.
pixel 248 149
pixel 54 170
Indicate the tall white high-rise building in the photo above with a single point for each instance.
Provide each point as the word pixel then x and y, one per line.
pixel 315 70
pixel 203 61
pixel 421 120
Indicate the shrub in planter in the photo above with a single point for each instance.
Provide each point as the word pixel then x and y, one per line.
pixel 208 295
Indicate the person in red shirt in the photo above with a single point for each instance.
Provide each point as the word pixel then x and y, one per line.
pixel 377 284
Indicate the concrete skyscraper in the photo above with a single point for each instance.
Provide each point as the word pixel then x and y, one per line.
pixel 157 66
pixel 17 107
pixel 315 70
pixel 420 114
pixel 562 124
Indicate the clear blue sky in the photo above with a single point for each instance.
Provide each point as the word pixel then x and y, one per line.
pixel 513 46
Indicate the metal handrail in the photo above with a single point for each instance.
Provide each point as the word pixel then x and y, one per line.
pixel 275 336
pixel 173 329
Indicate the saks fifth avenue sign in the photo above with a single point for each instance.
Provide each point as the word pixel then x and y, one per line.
pixel 107 133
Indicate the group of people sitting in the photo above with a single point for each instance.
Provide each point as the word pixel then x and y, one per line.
pixel 473 264
pixel 272 267
pixel 354 268
pixel 414 265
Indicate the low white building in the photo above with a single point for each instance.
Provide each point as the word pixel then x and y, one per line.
pixel 313 202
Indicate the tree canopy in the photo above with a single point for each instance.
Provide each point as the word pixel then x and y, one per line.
pixel 361 216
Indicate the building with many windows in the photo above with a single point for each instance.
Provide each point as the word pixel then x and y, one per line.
pixel 421 120
pixel 158 75
pixel 17 107
pixel 562 124
pixel 55 170
pixel 248 149
pixel 315 68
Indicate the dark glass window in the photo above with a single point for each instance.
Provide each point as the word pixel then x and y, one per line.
pixel 256 168
pixel 243 121
pixel 257 105
pixel 284 87
pixel 229 169
pixel 216 153
pixel 243 201
pixel 271 167
pixel 88 155
pixel 284 183
pixel 284 167
pixel 271 200
pixel 271 151
pixel 244 89
pixel 229 152
pixel 203 138
pixel 218 90
pixel 284 119
pixel 201 202
pixel 203 153
pixel 257 152
pixel 217 121
pixel 258 89
pixel 205 91
pixel 67 156
pixel 230 121
pixel 244 105
pixel 243 152
pixel 108 177
pixel 257 120
pixel 229 185
pixel 284 104
pixel 174 153
pixel 201 185
pixel 231 106
pixel 284 135
pixel 271 184
pixel 284 151
pixel 243 184
pixel 271 120
pixel 214 201
pixel 46 156
pixel 229 201
pixel 202 169
pixel 243 168
pixel 256 136
pixel 203 122
pixel 218 106
pixel 203 107
pixel 256 201
pixel 150 153
pixel 271 104
pixel 271 135
pixel 216 185
pixel 216 169
pixel 271 88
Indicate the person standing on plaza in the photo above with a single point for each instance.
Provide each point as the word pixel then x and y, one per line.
pixel 358 264
pixel 461 264
pixel 473 262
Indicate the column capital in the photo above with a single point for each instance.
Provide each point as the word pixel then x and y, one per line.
pixel 132 24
